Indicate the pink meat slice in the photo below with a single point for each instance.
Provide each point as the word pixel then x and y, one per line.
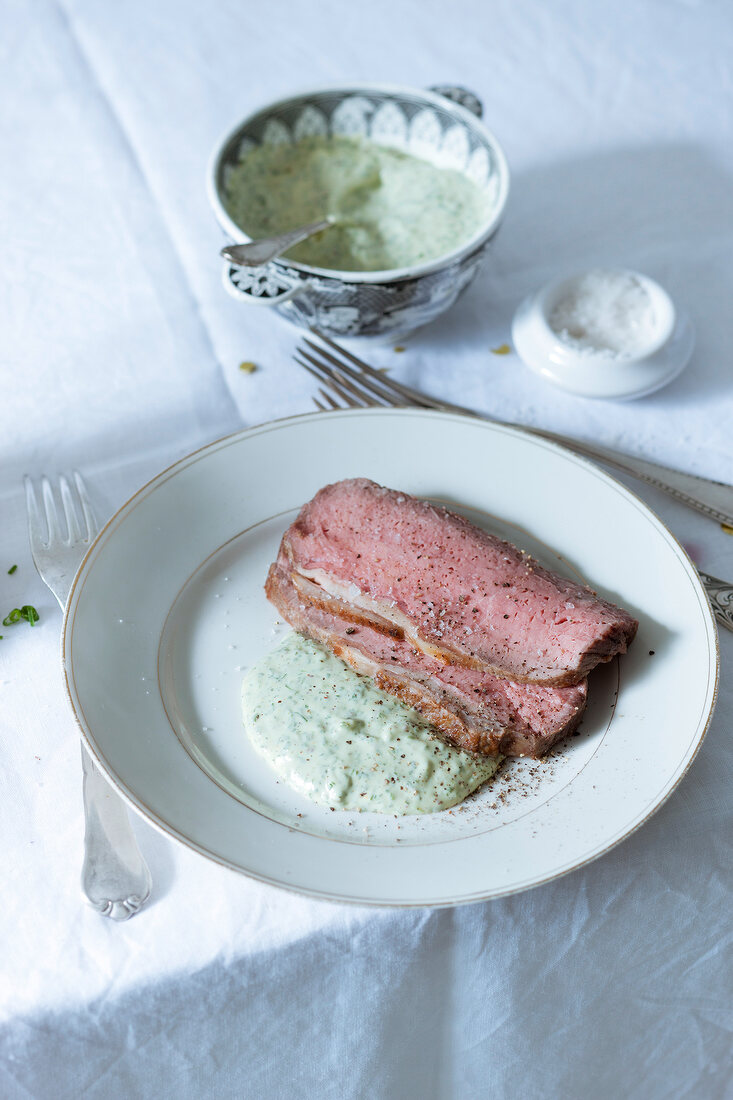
pixel 475 710
pixel 453 591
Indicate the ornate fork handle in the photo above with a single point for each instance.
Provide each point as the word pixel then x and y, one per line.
pixel 114 877
pixel 713 499
pixel 720 594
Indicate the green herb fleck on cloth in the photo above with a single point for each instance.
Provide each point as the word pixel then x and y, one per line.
pixel 247 367
pixel 12 570
pixel 26 613
pixel 503 349
pixel 400 347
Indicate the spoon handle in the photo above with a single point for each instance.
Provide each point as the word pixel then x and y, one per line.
pixel 258 253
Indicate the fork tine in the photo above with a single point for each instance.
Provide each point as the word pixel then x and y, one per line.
pixel 36 529
pixel 330 380
pixel 346 396
pixel 320 375
pixel 319 370
pixel 412 396
pixel 88 509
pixel 70 512
pixel 333 378
pixel 327 397
pixel 319 406
pixel 366 382
pixel 52 515
pixel 409 395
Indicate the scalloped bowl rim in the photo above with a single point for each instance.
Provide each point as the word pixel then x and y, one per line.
pixel 388 275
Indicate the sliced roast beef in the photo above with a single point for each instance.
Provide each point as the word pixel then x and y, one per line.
pixel 416 571
pixel 473 709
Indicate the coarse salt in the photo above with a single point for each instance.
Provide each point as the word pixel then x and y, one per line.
pixel 606 313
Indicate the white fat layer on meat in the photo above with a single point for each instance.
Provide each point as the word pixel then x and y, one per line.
pixel 387 611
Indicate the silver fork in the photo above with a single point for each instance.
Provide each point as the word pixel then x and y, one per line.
pixel 358 384
pixel 115 877
pixel 352 383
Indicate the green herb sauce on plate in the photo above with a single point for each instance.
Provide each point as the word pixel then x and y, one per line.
pixel 334 737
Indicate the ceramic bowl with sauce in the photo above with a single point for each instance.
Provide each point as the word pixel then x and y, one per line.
pixel 442 127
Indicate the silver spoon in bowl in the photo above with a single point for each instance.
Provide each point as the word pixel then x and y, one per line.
pixel 258 253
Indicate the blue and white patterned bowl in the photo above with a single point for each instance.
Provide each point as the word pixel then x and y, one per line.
pixel 442 126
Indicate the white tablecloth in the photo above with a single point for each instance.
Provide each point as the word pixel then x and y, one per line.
pixel 120 352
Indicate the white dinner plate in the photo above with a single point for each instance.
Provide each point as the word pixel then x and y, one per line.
pixel 168 610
